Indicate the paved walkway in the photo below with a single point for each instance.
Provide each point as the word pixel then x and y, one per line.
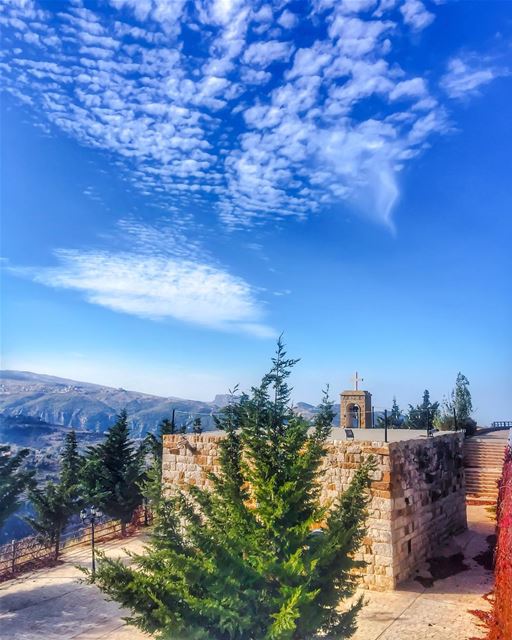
pixel 51 604
pixel 441 611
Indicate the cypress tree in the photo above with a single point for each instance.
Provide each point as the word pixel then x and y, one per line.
pixel 113 473
pixel 256 556
pixel 14 479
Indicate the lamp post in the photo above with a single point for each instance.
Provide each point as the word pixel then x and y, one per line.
pixel 89 517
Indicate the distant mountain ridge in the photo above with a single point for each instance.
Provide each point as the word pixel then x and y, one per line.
pixel 90 407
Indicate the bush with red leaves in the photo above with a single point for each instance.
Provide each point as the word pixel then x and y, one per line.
pixel 499 621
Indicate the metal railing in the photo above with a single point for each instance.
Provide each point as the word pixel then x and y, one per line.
pixel 31 552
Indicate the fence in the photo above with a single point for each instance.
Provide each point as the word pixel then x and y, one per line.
pixel 31 553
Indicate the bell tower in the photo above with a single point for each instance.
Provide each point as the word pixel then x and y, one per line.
pixel 356 407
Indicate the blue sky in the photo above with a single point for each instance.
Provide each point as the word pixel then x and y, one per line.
pixel 183 180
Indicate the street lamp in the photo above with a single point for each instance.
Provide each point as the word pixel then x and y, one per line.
pixel 89 517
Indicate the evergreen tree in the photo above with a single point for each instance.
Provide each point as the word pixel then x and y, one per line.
pixel 461 398
pixel 113 473
pixel 71 463
pixel 197 426
pixel 167 427
pixel 245 560
pixel 57 502
pixel 154 443
pixel 14 479
pixel 395 417
pixel 53 506
pixel 424 415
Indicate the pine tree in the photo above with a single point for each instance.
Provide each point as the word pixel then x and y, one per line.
pixel 14 479
pixel 154 443
pixel 245 560
pixel 53 506
pixel 113 473
pixel 57 502
pixel 424 415
pixel 71 464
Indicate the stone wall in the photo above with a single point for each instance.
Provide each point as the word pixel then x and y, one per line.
pixel 417 494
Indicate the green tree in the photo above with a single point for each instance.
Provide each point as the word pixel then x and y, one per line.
pixel 456 412
pixel 57 502
pixel 154 442
pixel 53 506
pixel 424 415
pixel 245 559
pixel 461 398
pixel 395 417
pixel 14 479
pixel 71 464
pixel 113 473
pixel 197 426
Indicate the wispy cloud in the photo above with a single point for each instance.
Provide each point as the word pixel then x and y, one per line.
pixel 467 74
pixel 155 280
pixel 226 102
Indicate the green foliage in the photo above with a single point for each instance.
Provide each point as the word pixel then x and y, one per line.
pixel 55 503
pixel 71 468
pixel 14 479
pixel 461 398
pixel 113 473
pixel 53 506
pixel 197 426
pixel 246 559
pixel 154 443
pixel 395 417
pixel 424 415
pixel 456 412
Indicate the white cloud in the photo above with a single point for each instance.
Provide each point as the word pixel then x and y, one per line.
pixel 160 277
pixel 465 76
pixel 262 54
pixel 217 124
pixel 287 19
pixel 413 88
pixel 416 15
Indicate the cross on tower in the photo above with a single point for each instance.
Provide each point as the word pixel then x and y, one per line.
pixel 357 380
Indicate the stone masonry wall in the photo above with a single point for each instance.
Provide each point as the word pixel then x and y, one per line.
pixel 417 494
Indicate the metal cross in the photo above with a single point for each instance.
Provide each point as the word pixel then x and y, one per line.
pixel 357 380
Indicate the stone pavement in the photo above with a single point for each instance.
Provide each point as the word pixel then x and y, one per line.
pixel 440 611
pixel 51 603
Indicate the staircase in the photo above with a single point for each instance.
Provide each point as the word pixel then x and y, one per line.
pixel 483 462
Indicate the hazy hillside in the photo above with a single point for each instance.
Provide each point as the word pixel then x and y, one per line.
pixel 91 407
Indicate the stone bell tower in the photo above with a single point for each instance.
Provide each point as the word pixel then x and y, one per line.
pixel 356 407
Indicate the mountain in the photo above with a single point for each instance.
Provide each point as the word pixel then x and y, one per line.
pixel 90 407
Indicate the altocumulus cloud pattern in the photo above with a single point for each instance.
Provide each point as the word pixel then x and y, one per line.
pixel 257 111
pixel 248 102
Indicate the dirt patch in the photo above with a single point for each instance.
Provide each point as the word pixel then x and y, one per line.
pixel 441 568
